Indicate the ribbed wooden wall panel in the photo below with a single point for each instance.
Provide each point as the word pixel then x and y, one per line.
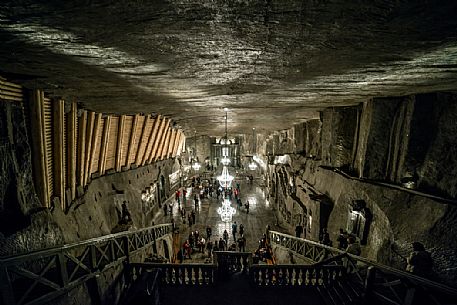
pixel 98 141
pixel 112 143
pixel 125 138
pixel 10 91
pixel 143 139
pixel 49 144
pixel 136 134
pixel 70 146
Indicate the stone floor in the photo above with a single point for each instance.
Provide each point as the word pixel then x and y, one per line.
pixel 260 215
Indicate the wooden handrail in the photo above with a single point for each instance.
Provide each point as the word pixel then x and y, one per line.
pixel 47 251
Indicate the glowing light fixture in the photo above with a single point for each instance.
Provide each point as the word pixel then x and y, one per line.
pixel 226 211
pixel 195 165
pixel 225 179
pixel 225 159
pixel 253 166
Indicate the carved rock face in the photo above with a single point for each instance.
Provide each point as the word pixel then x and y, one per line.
pixel 272 63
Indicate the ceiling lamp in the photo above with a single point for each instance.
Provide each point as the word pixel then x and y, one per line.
pixel 195 165
pixel 225 179
pixel 226 211
pixel 225 160
pixel 252 165
pixel 225 151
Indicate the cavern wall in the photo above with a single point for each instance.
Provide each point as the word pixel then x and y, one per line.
pixel 369 153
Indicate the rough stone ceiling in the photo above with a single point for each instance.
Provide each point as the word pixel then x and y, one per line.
pixel 272 63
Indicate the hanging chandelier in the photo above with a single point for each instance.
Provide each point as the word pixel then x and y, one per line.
pixel 226 211
pixel 252 165
pixel 225 151
pixel 225 179
pixel 195 165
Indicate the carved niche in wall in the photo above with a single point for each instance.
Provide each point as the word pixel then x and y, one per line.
pixel 359 220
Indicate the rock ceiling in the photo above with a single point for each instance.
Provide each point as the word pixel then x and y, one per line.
pixel 272 63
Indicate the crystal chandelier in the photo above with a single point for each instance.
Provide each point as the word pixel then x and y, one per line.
pixel 195 165
pixel 252 165
pixel 225 179
pixel 226 211
pixel 225 151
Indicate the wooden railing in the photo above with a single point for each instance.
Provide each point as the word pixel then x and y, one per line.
pixel 40 276
pixel 295 275
pixel 179 274
pixel 379 283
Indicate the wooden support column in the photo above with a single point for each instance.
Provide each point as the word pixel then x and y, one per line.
pixel 120 135
pixel 71 154
pixel 94 142
pixel 89 134
pixel 181 144
pixel 59 153
pixel 132 139
pixel 142 141
pixel 175 145
pixel 104 146
pixel 39 150
pixel 171 144
pixel 163 144
pixel 152 136
pixel 157 140
pixel 81 148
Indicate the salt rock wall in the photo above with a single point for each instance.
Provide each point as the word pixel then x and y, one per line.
pixel 26 226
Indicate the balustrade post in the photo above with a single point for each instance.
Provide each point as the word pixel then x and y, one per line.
pixel 6 289
pixel 126 248
pixel 369 283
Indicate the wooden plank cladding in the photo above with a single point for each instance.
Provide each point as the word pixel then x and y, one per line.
pixel 10 91
pixel 71 146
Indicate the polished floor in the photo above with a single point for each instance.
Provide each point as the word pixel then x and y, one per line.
pixel 255 222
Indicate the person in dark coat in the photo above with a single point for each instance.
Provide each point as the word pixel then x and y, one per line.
pixel 419 261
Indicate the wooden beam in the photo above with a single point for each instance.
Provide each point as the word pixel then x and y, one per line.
pixel 175 145
pixel 104 145
pixel 72 154
pixel 81 148
pixel 142 141
pixel 59 153
pixel 120 135
pixel 152 135
pixel 162 144
pixel 157 140
pixel 132 139
pixel 171 144
pixel 94 142
pixel 38 146
pixel 181 144
pixel 89 134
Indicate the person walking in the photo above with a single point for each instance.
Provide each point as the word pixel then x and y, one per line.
pixel 242 243
pixel 234 229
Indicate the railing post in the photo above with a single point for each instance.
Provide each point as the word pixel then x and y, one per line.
pixel 62 267
pixel 154 241
pixel 126 249
pixel 369 283
pixel 6 290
